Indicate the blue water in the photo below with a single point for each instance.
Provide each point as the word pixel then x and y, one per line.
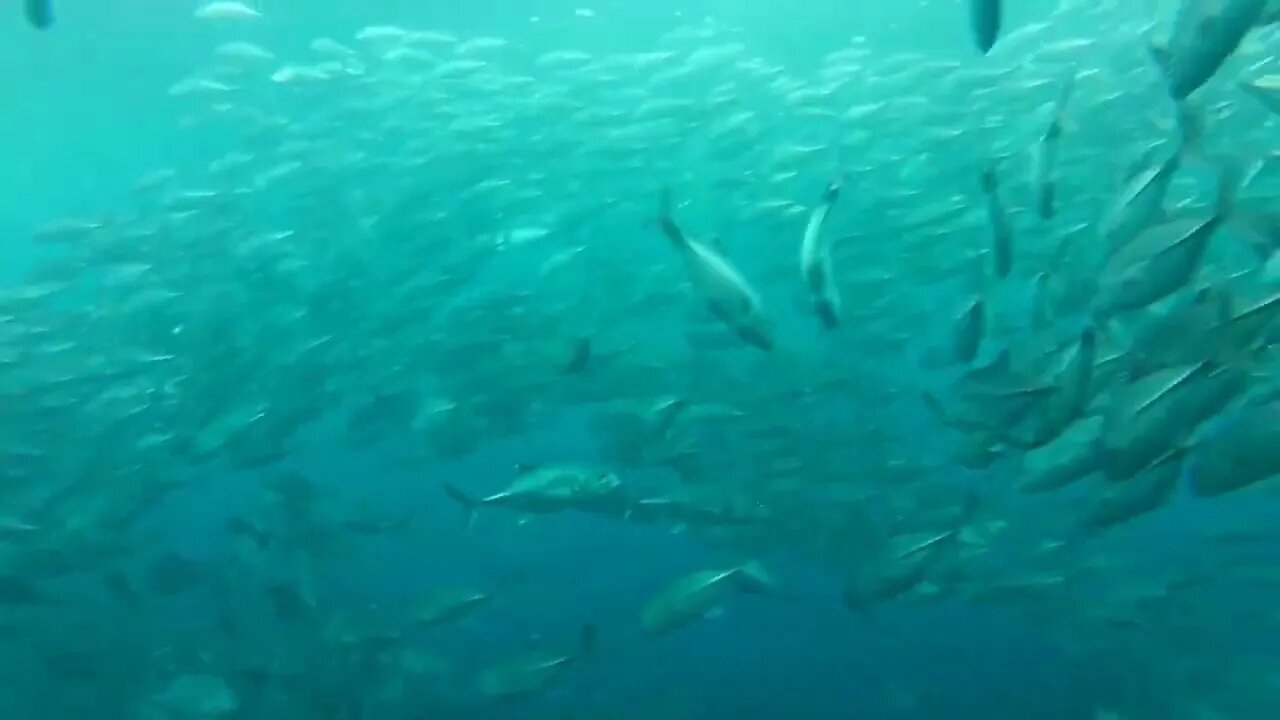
pixel 85 116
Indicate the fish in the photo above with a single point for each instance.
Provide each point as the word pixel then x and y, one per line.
pixel 538 670
pixel 1044 168
pixel 815 262
pixel 1001 227
pixel 726 292
pixel 1063 461
pixel 1140 203
pixel 551 489
pixel 1147 492
pixel 39 13
pixel 698 595
pixel 1239 453
pixel 448 606
pixel 969 332
pixel 1162 259
pixel 525 676
pixel 1157 414
pixel 1210 35
pixel 985 17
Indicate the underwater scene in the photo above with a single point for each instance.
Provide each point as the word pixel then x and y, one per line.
pixel 620 360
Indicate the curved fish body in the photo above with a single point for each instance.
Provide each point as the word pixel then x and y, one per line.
pixel 815 262
pixel 1206 38
pixel 985 17
pixel 39 13
pixel 727 293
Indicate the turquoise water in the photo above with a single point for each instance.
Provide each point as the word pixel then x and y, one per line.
pixel 260 306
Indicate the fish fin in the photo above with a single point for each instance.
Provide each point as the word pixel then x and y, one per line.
pixel 714 613
pixel 752 577
pixel 468 503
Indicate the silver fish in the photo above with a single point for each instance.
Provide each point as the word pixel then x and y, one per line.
pixel 727 293
pixel 815 262
pixel 1204 42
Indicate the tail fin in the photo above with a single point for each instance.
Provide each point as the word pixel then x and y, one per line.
pixel 468 503
pixel 40 13
pixel 751 577
pixel 1230 179
pixel 826 311
pixel 990 184
pixel 667 221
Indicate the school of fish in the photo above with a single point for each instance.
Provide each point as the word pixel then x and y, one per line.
pixel 948 329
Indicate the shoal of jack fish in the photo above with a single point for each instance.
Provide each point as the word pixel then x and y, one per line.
pixel 1056 256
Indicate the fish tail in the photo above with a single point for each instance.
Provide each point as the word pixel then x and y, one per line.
pixel 667 221
pixel 751 577
pixel 990 183
pixel 1045 204
pixel 1189 120
pixel 468 503
pixel 40 13
pixel 1230 179
pixel 826 311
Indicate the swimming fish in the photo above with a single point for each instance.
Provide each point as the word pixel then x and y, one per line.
pixel 728 295
pixel 985 18
pixel 1001 228
pixel 552 489
pixel 40 13
pixel 698 596
pixel 1205 40
pixel 1044 173
pixel 815 262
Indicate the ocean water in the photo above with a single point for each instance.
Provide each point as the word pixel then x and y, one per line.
pixel 356 279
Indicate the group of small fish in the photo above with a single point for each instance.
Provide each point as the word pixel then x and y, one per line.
pixel 1049 269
